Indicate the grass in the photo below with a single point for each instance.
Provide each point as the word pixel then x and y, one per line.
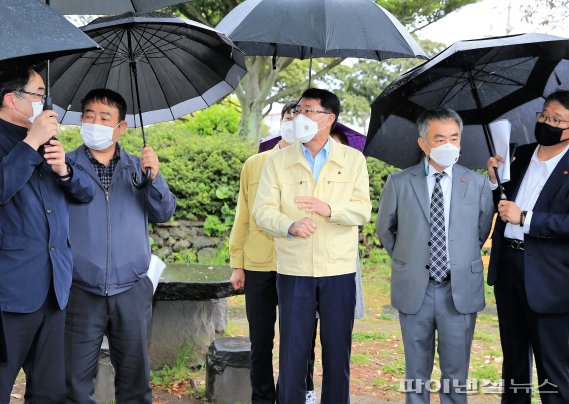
pixel 369 336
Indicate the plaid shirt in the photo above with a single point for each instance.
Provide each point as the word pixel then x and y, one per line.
pixel 105 173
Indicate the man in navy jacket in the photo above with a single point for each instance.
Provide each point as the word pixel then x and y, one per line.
pixel 529 264
pixel 35 258
pixel 111 293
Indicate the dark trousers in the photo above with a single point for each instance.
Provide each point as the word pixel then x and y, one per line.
pixel 334 297
pixel 34 342
pixel 125 319
pixel 523 331
pixel 261 308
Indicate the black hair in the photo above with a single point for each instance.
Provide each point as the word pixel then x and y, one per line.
pixel 13 78
pixel 108 97
pixel 561 96
pixel 289 106
pixel 329 101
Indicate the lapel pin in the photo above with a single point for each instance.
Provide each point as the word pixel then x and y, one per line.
pixel 462 179
pixel 565 172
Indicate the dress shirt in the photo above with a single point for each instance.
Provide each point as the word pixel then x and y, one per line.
pixel 536 176
pixel 105 173
pixel 317 162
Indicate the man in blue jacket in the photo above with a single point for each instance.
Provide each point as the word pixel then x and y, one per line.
pixel 35 258
pixel 111 293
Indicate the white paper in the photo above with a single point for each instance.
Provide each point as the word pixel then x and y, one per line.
pixel 155 270
pixel 501 130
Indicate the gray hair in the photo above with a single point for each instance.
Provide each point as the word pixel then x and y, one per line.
pixel 437 114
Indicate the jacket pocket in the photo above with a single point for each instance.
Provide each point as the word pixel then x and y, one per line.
pixel 477 266
pixel 13 243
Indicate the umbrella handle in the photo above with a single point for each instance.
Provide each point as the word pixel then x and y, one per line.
pixel 145 179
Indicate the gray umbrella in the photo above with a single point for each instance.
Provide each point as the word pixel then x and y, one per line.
pixel 108 7
pixel 164 66
pixel 318 28
pixel 33 32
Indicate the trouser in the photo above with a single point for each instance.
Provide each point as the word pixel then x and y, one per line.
pixel 299 299
pixel 125 319
pixel 455 332
pixel 261 308
pixel 523 331
pixel 34 342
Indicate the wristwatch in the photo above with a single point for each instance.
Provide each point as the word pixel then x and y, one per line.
pixel 523 217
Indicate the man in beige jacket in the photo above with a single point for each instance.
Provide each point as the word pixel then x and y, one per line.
pixel 312 197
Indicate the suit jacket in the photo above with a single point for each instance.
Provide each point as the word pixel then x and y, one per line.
pixel 546 254
pixel 403 226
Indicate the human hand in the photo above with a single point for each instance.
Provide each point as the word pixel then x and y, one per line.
pixel 303 228
pixel 509 212
pixel 311 204
pixel 45 127
pixel 149 159
pixel 55 156
pixel 492 165
pixel 237 278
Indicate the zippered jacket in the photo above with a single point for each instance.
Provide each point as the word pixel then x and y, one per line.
pixel 109 236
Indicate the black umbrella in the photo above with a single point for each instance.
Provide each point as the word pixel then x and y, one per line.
pixel 165 67
pixel 108 7
pixel 318 28
pixel 483 80
pixel 32 32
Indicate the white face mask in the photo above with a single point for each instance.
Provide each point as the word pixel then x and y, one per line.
pixel 287 131
pixel 304 128
pixel 37 108
pixel 445 155
pixel 97 137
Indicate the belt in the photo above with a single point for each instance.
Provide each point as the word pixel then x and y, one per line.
pixel 517 245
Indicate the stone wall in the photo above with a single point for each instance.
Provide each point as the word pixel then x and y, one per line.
pixel 181 235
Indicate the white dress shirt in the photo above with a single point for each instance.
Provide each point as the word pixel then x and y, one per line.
pixel 446 186
pixel 536 176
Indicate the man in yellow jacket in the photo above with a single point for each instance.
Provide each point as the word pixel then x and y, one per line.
pixel 252 257
pixel 312 197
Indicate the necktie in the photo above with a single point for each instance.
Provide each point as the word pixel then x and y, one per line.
pixel 438 268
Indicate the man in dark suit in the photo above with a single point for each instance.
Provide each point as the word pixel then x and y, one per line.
pixel 35 257
pixel 529 264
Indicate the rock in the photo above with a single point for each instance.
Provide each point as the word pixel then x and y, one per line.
pixel 163 252
pixel 177 324
pixel 178 233
pixel 181 245
pixel 228 370
pixel 206 254
pixel 219 315
pixel 202 242
pixel 158 241
pixel 162 232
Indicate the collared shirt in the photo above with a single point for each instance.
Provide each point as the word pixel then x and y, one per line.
pixel 105 173
pixel 446 186
pixel 536 176
pixel 317 162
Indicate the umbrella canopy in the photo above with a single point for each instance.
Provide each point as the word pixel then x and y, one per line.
pixel 33 32
pixel 164 66
pixel 318 28
pixel 355 139
pixel 323 28
pixel 483 80
pixel 101 7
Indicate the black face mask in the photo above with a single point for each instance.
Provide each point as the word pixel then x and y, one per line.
pixel 547 135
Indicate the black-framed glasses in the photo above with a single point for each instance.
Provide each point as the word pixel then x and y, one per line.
pixel 305 111
pixel 32 94
pixel 555 122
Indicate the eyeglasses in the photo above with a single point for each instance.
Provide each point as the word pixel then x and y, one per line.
pixel 305 111
pixel 42 96
pixel 549 119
